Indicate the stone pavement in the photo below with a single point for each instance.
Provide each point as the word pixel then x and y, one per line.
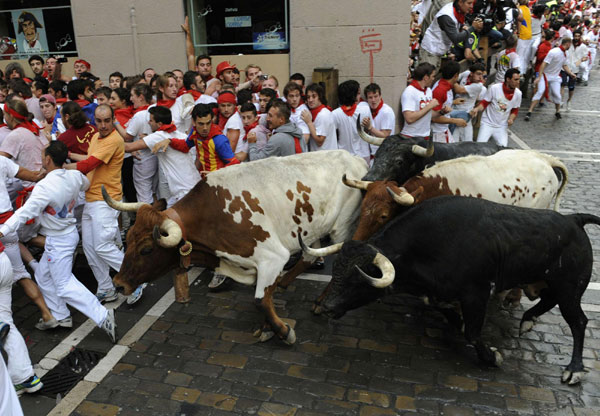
pixel 393 357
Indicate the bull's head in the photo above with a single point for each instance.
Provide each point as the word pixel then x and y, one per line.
pixel 151 245
pixel 395 159
pixel 379 205
pixel 352 284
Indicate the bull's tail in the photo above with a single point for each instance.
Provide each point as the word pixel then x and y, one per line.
pixel 559 167
pixel 584 219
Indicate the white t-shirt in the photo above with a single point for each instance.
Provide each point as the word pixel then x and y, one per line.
pixel 178 167
pixel 234 123
pixel 555 60
pixel 474 91
pixel 414 99
pixel 8 170
pixel 505 62
pixel 385 120
pixel 297 120
pixel 497 112
pixel 137 125
pixel 348 138
pixel 325 127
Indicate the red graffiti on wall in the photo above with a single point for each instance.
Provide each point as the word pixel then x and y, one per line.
pixel 370 43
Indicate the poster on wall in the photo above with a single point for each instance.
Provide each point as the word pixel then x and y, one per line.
pixel 31 33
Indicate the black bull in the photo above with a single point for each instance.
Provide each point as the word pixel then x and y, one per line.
pixel 455 248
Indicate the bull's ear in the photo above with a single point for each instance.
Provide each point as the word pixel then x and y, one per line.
pixel 160 204
pixel 418 194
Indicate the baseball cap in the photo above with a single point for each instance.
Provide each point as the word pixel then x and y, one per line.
pixel 224 66
pixel 48 97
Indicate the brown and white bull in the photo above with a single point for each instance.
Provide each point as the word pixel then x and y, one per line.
pixel 244 222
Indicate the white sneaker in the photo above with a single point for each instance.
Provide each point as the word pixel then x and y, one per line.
pixel 137 294
pixel 568 107
pixel 217 280
pixel 109 326
pixel 66 323
pixel 44 325
pixel 109 296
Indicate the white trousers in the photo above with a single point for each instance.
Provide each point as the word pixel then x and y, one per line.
pixel 100 233
pixel 59 286
pixel 19 363
pixel 593 57
pixel 499 134
pixel 464 134
pixel 553 91
pixel 584 71
pixel 11 245
pixel 9 402
pixel 524 52
pixel 145 178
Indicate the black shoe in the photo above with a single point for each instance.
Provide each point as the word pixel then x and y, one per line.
pixel 558 116
pixel 318 264
pixel 527 116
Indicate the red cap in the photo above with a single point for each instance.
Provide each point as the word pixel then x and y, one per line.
pixel 224 66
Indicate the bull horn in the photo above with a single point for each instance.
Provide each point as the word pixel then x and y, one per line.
pixel 320 252
pixel 376 141
pixel 173 231
pixel 403 198
pixel 120 206
pixel 352 183
pixel 387 272
pixel 421 151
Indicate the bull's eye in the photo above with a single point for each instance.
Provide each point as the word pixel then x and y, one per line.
pixel 145 251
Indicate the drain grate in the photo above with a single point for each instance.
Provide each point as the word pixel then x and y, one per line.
pixel 62 378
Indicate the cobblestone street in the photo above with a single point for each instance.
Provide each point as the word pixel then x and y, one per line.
pixel 393 357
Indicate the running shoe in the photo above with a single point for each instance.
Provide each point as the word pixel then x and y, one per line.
pixel 558 116
pixel 32 385
pixel 528 116
pixel 137 294
pixel 53 323
pixel 217 280
pixel 109 326
pixel 109 296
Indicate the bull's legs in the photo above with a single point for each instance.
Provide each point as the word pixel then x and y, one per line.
pixel 265 305
pixel 181 286
pixel 295 271
pixel 474 315
pixel 570 309
pixel 547 302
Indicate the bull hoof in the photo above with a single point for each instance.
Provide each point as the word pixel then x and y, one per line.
pixel 183 300
pixel 572 377
pixel 291 336
pixel 498 360
pixel 526 326
pixel 266 335
pixel 317 309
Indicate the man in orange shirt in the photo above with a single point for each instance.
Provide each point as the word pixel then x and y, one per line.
pixel 99 225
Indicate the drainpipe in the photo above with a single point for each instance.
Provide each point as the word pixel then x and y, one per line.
pixel 134 35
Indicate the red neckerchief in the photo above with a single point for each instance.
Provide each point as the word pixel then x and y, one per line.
pixel 349 111
pixel 165 103
pixel 5 216
pixel 22 196
pixel 248 128
pixel 416 85
pixel 61 100
pixel 181 91
pixel 195 94
pixel 376 111
pixel 297 146
pixel 508 93
pixel 562 49
pixel 459 16
pixel 507 51
pixel 223 119
pixel 315 111
pixel 82 103
pixel 123 115
pixel 214 131
pixel 169 128
pixel 1 247
pixel 142 108
pixel 2 125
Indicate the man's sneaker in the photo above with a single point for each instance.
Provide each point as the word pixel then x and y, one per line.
pixel 528 116
pixel 217 281
pixel 558 116
pixel 44 325
pixel 32 385
pixel 4 328
pixel 585 83
pixel 137 294
pixel 109 296
pixel 542 104
pixel 109 326
pixel 568 106
pixel 66 323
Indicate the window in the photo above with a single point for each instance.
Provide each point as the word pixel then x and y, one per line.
pixel 229 27
pixel 30 28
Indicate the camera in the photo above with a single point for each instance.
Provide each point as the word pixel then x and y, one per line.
pixel 263 77
pixel 60 59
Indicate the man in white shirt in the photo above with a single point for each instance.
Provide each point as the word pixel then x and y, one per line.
pixel 507 59
pixel 323 135
pixel 293 95
pixel 344 119
pixel 384 119
pixel 178 168
pixel 577 57
pixel 469 88
pixel 549 77
pixel 52 202
pixel 592 36
pixel 417 103
pixel 501 104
